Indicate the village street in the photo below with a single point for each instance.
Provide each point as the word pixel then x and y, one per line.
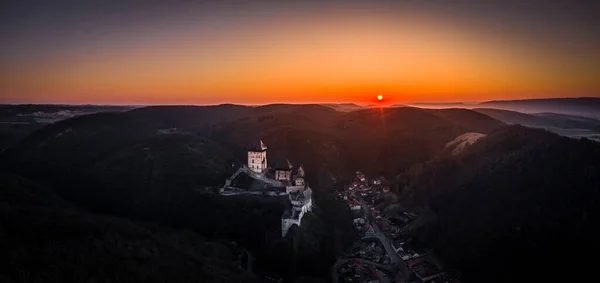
pixel 403 271
pixel 382 252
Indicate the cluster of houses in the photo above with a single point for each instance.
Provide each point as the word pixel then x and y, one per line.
pixel 358 270
pixel 377 230
pixel 368 250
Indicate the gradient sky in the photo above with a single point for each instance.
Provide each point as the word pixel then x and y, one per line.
pixel 207 52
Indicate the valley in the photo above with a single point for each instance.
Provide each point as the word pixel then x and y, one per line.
pixel 166 166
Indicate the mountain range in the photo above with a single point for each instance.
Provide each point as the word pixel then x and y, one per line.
pixel 582 106
pixel 507 199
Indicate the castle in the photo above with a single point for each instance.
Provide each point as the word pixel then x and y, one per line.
pixel 283 178
pixel 301 199
pixel 257 156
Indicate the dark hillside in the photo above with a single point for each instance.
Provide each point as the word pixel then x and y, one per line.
pixel 389 140
pixel 47 240
pixel 127 165
pixel 68 145
pixel 139 172
pixel 471 120
pixel 514 205
pixel 189 117
pixel 18 121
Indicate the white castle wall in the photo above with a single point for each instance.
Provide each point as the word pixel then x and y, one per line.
pixel 287 223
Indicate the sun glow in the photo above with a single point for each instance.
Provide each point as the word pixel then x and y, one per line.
pixel 260 57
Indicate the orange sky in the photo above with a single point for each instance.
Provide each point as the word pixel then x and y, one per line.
pixel 349 56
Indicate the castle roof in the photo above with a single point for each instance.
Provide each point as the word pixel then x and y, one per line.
pixel 282 164
pixel 296 168
pixel 257 145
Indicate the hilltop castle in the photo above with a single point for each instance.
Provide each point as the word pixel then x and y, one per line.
pixel 257 156
pixel 282 178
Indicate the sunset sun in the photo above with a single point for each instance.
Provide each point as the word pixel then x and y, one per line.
pixel 380 97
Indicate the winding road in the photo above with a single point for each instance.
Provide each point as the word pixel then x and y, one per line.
pixel 404 272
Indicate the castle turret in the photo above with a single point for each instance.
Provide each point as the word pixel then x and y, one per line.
pixel 257 156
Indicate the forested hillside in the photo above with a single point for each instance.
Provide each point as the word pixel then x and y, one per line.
pixel 513 206
pixel 46 239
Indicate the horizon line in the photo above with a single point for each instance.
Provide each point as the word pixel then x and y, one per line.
pixel 297 103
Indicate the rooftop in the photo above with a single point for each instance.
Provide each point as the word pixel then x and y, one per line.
pixel 257 145
pixel 282 164
pixel 296 170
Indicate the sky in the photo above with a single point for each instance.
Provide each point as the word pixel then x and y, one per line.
pixel 255 52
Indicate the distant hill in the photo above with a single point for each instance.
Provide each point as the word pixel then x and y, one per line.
pixel 18 121
pixel 441 105
pixel 584 106
pixel 514 117
pixel 24 110
pixel 512 206
pixel 567 125
pixel 49 240
pixel 343 106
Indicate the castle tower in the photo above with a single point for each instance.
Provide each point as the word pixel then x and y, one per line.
pixel 283 170
pixel 257 156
